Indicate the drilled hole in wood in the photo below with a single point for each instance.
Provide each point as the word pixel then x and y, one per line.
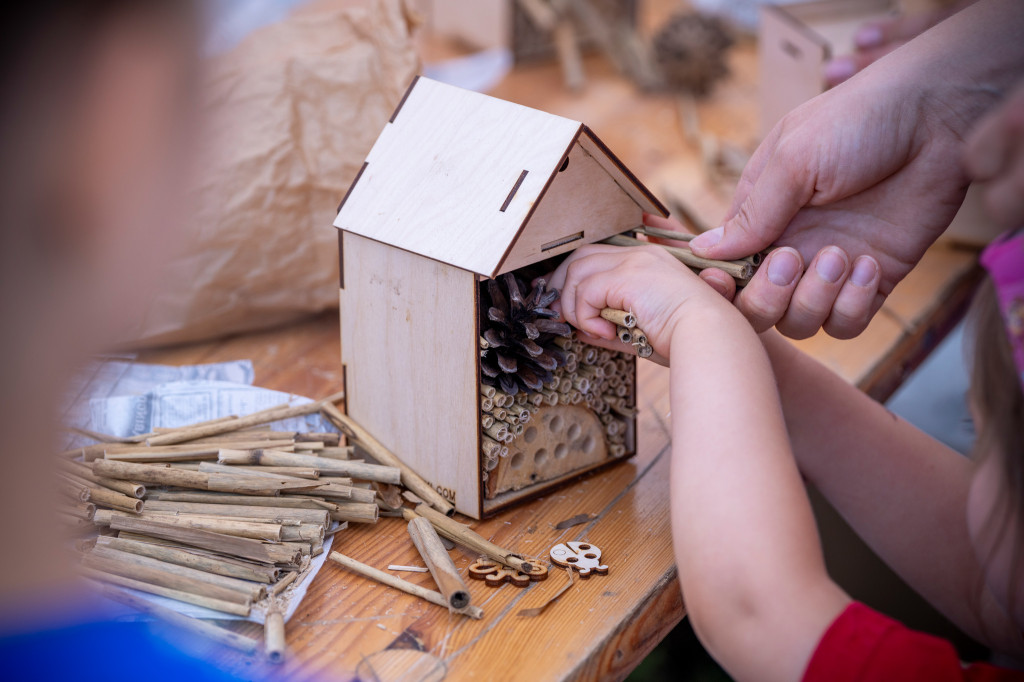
pixel 556 423
pixel 530 434
pixel 565 164
pixel 571 559
pixel 516 461
pixel 541 456
pixel 574 432
pixel 589 555
pixel 588 444
pixel 561 450
pixel 584 547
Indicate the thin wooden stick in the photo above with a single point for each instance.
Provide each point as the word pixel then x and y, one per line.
pixel 124 487
pixel 183 557
pixel 740 271
pixel 268 532
pixel 174 578
pixel 273 633
pixel 216 542
pixel 409 478
pixel 356 512
pixel 620 318
pixel 187 597
pixel 415 590
pixel 203 628
pixel 273 514
pixel 461 535
pixel 441 566
pixel 184 478
pixel 273 414
pixel 361 470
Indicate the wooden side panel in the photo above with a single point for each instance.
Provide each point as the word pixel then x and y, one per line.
pixel 409 346
pixel 791 58
pixel 483 24
pixel 582 201
pixel 796 42
pixel 629 183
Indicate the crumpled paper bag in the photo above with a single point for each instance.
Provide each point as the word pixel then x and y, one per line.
pixel 291 113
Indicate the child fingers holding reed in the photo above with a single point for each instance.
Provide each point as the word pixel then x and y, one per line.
pixel 645 281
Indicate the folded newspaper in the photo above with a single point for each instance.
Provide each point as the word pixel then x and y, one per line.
pixel 122 398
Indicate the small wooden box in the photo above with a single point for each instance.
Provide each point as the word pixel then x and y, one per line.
pixel 795 43
pixel 460 188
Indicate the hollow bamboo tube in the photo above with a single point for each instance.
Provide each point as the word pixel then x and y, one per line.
pixel 273 634
pixel 740 271
pixel 442 568
pixel 216 542
pixel 189 452
pixel 183 557
pixel 619 318
pixel 361 470
pixel 75 491
pixel 282 473
pixel 487 391
pixel 202 628
pixel 108 498
pixel 660 233
pixel 282 584
pixel 625 335
pixel 184 478
pixel 380 576
pixel 639 336
pixel 645 351
pixel 304 532
pixel 283 411
pixel 346 452
pixel 272 514
pixel 462 535
pixel 356 512
pixel 247 590
pixel 207 497
pixel 486 421
pixel 409 478
pixel 124 487
pixel 266 531
pixel 81 510
pixel 174 579
pixel 325 486
pixel 180 595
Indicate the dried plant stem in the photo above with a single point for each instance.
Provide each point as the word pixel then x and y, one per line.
pixel 441 566
pixel 187 597
pixel 380 576
pixel 741 271
pixel 620 318
pixel 461 535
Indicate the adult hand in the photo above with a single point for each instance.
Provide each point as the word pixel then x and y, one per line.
pixel 995 153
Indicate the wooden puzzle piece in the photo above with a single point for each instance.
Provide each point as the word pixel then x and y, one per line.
pixel 495 574
pixel 582 556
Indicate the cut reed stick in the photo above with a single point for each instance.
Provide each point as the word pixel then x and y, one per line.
pixel 741 271
pixel 211 497
pixel 174 578
pixel 189 452
pixel 273 414
pixel 356 512
pixel 620 318
pixel 283 583
pixel 108 498
pixel 124 487
pixel 183 557
pixel 660 233
pixel 409 478
pixel 248 590
pixel 245 548
pixel 202 628
pixel 440 564
pixel 273 633
pixel 187 597
pixel 346 452
pixel 462 535
pixel 624 334
pixel 267 513
pixel 268 532
pixel 183 478
pixel 380 576
pixel 368 472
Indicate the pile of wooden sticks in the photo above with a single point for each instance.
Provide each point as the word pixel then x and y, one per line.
pixel 223 514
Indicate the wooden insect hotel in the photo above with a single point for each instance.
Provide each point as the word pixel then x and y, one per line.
pixel 452 357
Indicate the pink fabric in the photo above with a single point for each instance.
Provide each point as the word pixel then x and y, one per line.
pixel 1004 260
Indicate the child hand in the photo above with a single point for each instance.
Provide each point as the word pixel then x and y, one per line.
pixel 647 281
pixel 995 153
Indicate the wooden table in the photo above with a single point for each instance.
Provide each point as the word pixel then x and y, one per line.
pixel 603 627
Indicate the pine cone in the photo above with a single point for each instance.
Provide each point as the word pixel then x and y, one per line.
pixel 520 333
pixel 691 52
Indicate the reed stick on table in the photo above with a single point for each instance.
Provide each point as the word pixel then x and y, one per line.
pixel 266 531
pixel 245 548
pixel 442 568
pixel 415 590
pixel 213 497
pixel 619 318
pixel 108 498
pixel 356 512
pixel 174 578
pixel 187 597
pixel 128 488
pixel 273 414
pixel 202 562
pixel 409 478
pixel 202 628
pixel 273 634
pixel 741 271
pixel 190 452
pixel 273 514
pixel 346 452
pixel 249 590
pixel 183 478
pixel 361 470
pixel 462 535
pixel 282 584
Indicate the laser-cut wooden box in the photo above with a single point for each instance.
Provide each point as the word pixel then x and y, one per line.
pixel 459 188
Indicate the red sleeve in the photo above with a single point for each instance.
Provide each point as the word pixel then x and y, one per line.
pixel 864 646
